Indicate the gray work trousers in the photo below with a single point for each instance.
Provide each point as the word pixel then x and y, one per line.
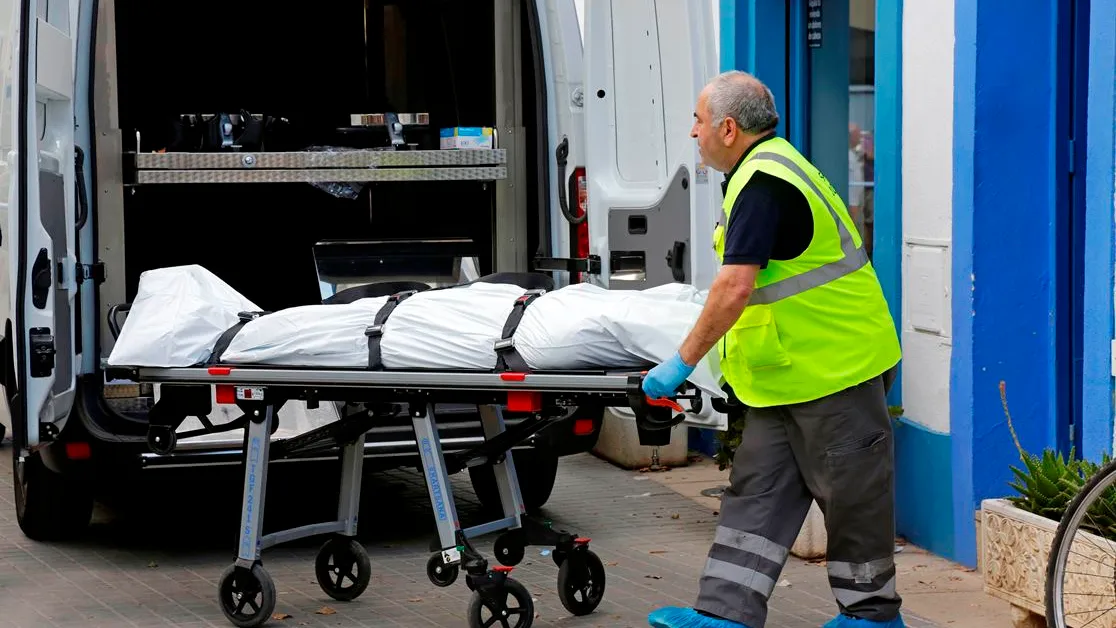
pixel 837 450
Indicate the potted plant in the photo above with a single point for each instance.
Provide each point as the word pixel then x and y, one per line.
pixel 1017 531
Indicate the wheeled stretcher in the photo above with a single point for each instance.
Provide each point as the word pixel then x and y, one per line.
pixel 246 592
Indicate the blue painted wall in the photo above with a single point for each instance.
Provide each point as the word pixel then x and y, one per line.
pixel 924 507
pixel 961 406
pixel 1097 403
pixel 888 233
pixel 798 79
pixel 1003 249
pixel 753 39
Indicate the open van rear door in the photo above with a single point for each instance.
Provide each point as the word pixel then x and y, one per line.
pixel 652 204
pixel 38 124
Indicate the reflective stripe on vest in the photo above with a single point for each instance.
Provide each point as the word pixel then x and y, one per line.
pixel 852 260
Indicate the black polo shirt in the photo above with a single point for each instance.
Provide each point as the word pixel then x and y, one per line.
pixel 770 220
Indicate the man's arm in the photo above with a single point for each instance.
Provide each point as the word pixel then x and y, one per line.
pixel 727 299
pixel 749 238
pixel 749 242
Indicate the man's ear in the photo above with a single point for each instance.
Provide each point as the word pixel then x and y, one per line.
pixel 729 131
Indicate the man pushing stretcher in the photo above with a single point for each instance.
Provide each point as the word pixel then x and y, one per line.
pixel 808 346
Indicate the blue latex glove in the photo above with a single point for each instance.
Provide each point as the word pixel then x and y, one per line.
pixel 664 379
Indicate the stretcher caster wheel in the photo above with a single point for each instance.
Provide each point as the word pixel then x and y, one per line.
pixel 581 582
pixel 509 550
pixel 161 439
pixel 343 569
pixel 247 596
pixel 441 574
pixel 508 605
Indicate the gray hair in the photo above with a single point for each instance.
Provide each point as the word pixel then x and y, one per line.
pixel 742 97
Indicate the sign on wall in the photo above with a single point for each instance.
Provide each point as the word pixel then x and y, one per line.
pixel 814 23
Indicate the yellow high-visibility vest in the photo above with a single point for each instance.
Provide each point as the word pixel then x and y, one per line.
pixel 816 324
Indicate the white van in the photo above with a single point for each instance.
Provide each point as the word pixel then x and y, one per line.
pixel 240 137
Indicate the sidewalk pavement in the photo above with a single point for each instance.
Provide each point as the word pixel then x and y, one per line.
pixel 932 587
pixel 155 560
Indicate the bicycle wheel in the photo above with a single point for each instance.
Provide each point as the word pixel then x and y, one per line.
pixel 1081 569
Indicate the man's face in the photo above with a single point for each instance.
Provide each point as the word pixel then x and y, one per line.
pixel 713 140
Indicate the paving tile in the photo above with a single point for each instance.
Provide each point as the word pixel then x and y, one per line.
pixel 157 562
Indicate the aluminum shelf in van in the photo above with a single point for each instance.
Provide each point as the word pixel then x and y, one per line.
pixel 321 166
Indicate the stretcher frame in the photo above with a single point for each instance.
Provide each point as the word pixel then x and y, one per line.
pixel 372 395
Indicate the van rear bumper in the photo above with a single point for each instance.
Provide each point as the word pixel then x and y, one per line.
pixel 402 451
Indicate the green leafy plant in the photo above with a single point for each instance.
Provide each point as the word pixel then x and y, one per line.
pixel 1047 484
pixel 728 441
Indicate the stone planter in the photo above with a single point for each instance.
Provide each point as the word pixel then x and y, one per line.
pixel 618 443
pixel 1015 545
pixel 812 538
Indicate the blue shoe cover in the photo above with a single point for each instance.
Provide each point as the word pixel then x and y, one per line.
pixel 673 617
pixel 844 621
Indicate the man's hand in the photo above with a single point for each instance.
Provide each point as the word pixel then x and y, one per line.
pixel 664 379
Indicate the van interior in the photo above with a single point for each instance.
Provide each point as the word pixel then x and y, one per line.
pixel 303 72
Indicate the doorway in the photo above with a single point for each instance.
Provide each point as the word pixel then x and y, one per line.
pixel 840 39
pixel 1072 110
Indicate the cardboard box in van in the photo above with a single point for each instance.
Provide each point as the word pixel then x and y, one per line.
pixel 464 137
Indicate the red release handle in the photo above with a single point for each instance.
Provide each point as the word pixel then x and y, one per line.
pixel 664 402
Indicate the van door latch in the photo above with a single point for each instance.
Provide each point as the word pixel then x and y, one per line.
pixel 674 259
pixel 41 280
pixel 42 352
pixel 95 271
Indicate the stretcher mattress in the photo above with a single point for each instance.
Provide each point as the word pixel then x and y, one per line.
pixel 180 314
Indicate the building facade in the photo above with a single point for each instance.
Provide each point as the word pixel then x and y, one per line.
pixel 974 143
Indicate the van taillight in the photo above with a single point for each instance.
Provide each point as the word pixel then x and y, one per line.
pixel 581 232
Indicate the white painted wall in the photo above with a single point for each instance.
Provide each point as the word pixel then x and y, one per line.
pixel 927 194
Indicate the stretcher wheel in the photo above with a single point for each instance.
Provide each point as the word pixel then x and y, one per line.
pixel 509 550
pixel 161 439
pixel 247 595
pixel 343 569
pixel 510 607
pixel 581 582
pixel 441 574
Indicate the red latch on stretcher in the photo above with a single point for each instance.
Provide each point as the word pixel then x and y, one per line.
pixel 666 403
pixel 524 401
pixel 220 370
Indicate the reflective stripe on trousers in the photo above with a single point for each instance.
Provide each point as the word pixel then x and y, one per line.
pixel 732 548
pixel 854 583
